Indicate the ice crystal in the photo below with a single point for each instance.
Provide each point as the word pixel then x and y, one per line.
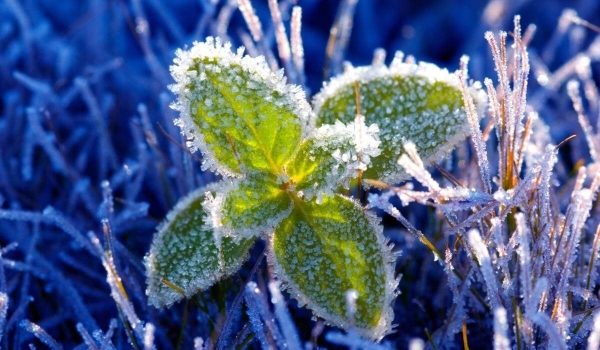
pixel 483 256
pixel 323 250
pixel 41 334
pixel 501 340
pixel 288 330
pixel 4 301
pixel 332 156
pixel 256 313
pixel 421 103
pixel 251 206
pixel 353 341
pixel 185 257
pixel 594 338
pixel 229 103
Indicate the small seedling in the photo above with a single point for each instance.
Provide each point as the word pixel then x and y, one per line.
pixel 282 164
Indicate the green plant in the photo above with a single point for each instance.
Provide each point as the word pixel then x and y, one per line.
pixel 283 164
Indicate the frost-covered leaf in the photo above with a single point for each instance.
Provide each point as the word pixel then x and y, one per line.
pixel 332 156
pixel 409 102
pixel 233 105
pixel 250 206
pixel 185 254
pixel 321 251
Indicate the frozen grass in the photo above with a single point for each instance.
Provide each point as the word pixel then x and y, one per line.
pixel 500 244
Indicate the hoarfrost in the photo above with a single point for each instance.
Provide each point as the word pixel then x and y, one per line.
pixel 399 98
pixel 255 81
pixel 501 340
pixel 483 256
pixel 332 156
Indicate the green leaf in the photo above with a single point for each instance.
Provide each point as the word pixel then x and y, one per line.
pixel 250 206
pixel 185 254
pixel 321 251
pixel 239 113
pixel 331 157
pixel 409 102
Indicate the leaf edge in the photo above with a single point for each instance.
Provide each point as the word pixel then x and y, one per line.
pixel 384 326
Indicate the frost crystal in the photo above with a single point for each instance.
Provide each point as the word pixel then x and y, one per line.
pixel 323 250
pixel 421 103
pixel 185 257
pixel 501 341
pixel 247 207
pixel 235 110
pixel 482 254
pixel 332 156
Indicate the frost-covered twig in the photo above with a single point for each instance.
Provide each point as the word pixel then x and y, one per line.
pixel 41 334
pixel 260 317
pixel 296 45
pixel 593 140
pixel 339 36
pixel 288 329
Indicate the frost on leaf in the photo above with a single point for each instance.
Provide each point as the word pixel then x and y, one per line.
pixel 321 251
pixel 235 110
pixel 250 206
pixel 332 156
pixel 421 103
pixel 186 255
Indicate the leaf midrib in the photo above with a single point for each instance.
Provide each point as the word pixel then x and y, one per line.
pixel 298 203
pixel 239 111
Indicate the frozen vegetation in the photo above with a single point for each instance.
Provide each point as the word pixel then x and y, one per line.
pixel 137 211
